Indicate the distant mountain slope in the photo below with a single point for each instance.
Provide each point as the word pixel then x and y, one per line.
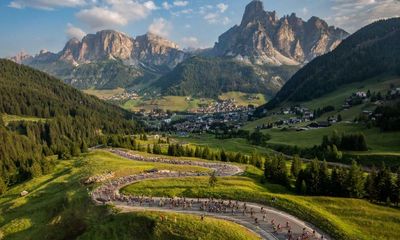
pixel 263 38
pixel 371 51
pixel 25 91
pixel 209 77
pixel 108 59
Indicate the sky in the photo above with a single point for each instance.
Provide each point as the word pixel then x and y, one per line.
pixel 33 25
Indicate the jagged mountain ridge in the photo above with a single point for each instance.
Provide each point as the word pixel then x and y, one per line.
pixel 263 38
pixel 108 59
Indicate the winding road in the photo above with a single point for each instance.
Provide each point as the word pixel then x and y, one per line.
pixel 267 222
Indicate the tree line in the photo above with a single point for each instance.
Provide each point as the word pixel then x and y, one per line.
pixel 316 179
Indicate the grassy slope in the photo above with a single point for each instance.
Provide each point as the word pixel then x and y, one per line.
pixel 378 142
pixel 230 145
pixel 58 207
pixel 173 103
pixel 242 98
pixel 104 93
pixel 14 118
pixel 345 218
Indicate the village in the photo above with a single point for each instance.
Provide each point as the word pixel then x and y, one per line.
pixel 301 118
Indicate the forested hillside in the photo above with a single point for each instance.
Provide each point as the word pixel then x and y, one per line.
pixel 372 51
pixel 209 77
pixel 73 122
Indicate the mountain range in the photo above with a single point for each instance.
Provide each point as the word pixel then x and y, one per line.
pixel 263 38
pixel 263 42
pixel 372 51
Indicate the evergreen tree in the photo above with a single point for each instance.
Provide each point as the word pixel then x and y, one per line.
pixel 296 166
pixel 212 181
pixel 156 149
pixel 397 188
pixel 324 179
pixel 198 152
pixel 84 147
pixel 371 185
pixel 384 184
pixel 148 148
pixel 3 186
pixel 223 158
pixel 355 181
pixel 75 150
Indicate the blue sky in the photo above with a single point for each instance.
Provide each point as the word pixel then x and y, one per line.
pixel 32 25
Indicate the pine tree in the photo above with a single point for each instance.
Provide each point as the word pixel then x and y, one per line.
pixel 212 180
pixel 84 147
pixel 371 185
pixel 198 152
pixel 397 188
pixel 3 186
pixel 355 181
pixel 224 158
pixel 148 148
pixel 296 166
pixel 312 177
pixel 324 179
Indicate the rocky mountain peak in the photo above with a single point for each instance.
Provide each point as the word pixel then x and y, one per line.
pixel 21 57
pixel 263 38
pixel 153 39
pixel 254 12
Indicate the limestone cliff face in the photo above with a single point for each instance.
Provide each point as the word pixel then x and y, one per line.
pixel 21 57
pixel 148 49
pixel 264 38
pixel 153 49
pixel 108 44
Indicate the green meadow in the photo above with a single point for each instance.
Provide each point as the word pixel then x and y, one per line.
pixel 342 218
pixel 58 207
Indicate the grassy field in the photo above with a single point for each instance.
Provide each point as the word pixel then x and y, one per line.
pixel 102 94
pixel 184 103
pixel 173 103
pixel 230 145
pixel 58 207
pixel 149 226
pixel 13 118
pixel 377 141
pixel 242 99
pixel 341 217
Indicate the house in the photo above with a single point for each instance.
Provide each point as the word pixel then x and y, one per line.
pixel 361 94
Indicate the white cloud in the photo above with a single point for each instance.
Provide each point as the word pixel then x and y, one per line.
pixel 160 27
pixel 354 14
pixel 46 4
pixel 97 18
pixel 191 42
pixel 116 13
pixel 166 5
pixel 215 18
pixel 222 7
pixel 74 32
pixel 181 3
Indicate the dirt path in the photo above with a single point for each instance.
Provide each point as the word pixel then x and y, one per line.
pixel 268 223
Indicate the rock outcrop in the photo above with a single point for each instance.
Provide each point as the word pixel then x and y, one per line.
pixel 263 38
